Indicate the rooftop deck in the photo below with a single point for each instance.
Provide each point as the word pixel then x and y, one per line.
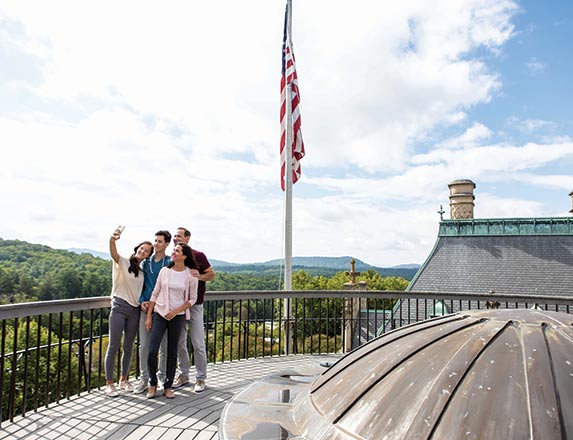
pixel 132 416
pixel 53 352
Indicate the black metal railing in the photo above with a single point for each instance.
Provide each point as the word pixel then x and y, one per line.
pixel 47 352
pixel 51 351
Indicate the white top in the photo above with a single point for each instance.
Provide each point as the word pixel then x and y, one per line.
pixel 126 285
pixel 161 295
pixel 176 286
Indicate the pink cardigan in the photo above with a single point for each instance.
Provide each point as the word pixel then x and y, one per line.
pixel 160 295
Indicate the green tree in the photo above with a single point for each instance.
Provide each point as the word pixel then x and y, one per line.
pixel 69 283
pixel 41 374
pixel 31 272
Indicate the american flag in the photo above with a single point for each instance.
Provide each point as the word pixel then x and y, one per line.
pixel 289 77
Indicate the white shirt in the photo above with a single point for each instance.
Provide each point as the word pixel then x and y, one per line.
pixel 126 285
pixel 177 290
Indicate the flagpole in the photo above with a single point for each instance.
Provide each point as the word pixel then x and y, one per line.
pixel 287 312
pixel 288 201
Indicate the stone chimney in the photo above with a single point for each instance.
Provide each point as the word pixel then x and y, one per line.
pixel 571 195
pixel 462 199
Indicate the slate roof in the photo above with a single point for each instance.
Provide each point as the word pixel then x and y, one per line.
pixel 516 256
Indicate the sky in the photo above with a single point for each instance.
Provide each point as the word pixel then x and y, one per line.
pixel 155 115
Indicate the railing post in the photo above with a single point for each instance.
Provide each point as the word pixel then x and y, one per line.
pixel 352 308
pixel 288 320
pixel 352 319
pixel 13 372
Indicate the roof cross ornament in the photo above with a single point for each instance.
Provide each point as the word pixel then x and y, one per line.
pixel 441 212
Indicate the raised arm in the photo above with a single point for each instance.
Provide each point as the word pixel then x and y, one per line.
pixel 112 247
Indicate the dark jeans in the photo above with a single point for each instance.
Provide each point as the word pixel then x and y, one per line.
pixel 174 328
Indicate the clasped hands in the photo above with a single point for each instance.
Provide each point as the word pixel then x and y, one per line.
pixel 172 314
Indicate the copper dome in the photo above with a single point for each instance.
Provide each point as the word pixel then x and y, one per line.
pixel 488 374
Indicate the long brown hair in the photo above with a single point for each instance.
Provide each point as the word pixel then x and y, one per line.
pixel 134 262
pixel 188 252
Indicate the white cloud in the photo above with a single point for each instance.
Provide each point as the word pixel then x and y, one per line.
pixel 562 183
pixel 198 65
pixel 497 158
pixel 156 116
pixel 530 125
pixel 535 67
pixel 414 74
pixel 472 137
pixel 492 206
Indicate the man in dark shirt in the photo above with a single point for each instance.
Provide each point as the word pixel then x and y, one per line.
pixel 195 323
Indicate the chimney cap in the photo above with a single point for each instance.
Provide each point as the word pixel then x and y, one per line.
pixel 460 181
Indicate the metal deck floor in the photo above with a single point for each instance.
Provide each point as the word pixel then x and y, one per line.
pixel 131 416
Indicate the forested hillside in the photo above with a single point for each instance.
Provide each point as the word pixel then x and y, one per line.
pixel 33 272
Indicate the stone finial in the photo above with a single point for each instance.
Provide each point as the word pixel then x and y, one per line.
pixel 352 274
pixel 462 199
pixel 571 195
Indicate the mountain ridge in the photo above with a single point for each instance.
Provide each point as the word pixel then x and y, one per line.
pixel 322 266
pixel 102 255
pixel 341 263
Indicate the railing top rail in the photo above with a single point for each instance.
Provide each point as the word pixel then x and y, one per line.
pixel 10 311
pixel 389 294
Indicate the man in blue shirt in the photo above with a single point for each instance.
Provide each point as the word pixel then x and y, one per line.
pixel 151 268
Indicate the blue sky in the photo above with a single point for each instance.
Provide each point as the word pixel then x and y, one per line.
pixel 155 116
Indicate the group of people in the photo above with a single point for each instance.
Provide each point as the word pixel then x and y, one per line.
pixel 161 297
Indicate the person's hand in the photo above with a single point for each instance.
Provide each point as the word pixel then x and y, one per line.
pixel 148 323
pixel 117 233
pixel 195 273
pixel 170 315
pixel 144 306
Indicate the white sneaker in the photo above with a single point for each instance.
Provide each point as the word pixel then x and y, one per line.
pixel 140 387
pixel 182 381
pixel 110 390
pixel 124 385
pixel 199 386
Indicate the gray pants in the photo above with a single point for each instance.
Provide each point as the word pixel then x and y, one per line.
pixel 144 351
pixel 197 329
pixel 123 320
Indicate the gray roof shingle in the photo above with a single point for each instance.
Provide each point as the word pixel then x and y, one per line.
pixel 515 264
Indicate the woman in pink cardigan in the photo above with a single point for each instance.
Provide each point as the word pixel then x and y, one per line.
pixel 175 292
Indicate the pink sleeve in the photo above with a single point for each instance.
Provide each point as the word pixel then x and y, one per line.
pixel 193 286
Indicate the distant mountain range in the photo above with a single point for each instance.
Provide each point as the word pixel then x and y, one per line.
pixel 314 265
pixel 326 266
pixel 104 255
pixel 340 263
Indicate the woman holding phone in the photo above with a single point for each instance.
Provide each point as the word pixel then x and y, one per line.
pixel 175 292
pixel 124 317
